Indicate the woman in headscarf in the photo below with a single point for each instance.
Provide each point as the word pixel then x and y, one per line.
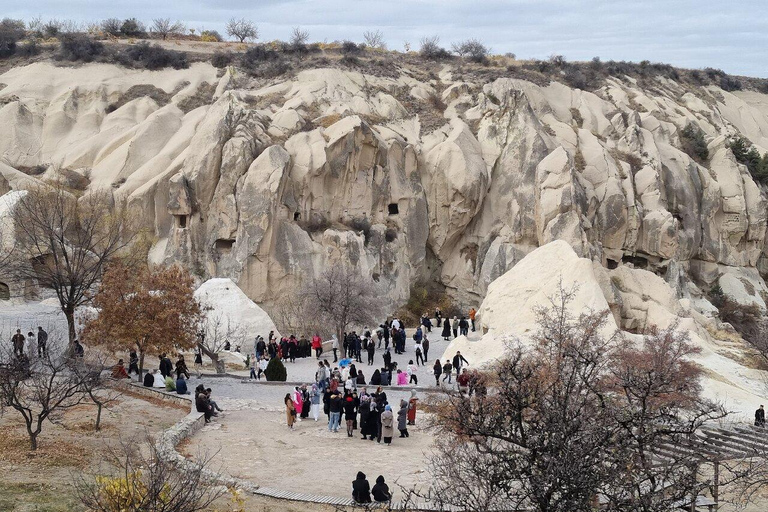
pixel 314 399
pixel 298 400
pixel 305 403
pixel 387 424
pixel 446 330
pixel 412 408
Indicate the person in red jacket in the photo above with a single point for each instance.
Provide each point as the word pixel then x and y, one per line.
pixel 317 344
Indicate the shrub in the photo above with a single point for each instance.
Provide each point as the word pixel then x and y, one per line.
pixel 262 62
pixel 375 39
pixel 473 49
pixel 424 298
pixel 30 49
pixel 350 48
pixel 276 371
pixel 111 26
pixel 692 140
pixel 11 32
pixel 431 50
pixel 52 28
pixel 156 57
pixel 746 154
pixel 222 59
pixel 133 28
pixel 79 47
pixel 210 36
pixel 729 83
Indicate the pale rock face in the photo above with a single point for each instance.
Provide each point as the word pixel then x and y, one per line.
pixel 226 304
pixel 269 184
pixel 638 299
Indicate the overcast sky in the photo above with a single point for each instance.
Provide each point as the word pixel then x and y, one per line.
pixel 731 35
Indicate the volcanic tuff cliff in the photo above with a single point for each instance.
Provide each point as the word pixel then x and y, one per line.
pixel 405 178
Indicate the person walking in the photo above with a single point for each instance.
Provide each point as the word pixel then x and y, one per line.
pixel 42 342
pixel 262 367
pixel 458 362
pixel 437 370
pixel 446 334
pixel 411 369
pixel 317 345
pixel 290 410
pixel 760 417
pixel 472 314
pixel 402 425
pixel 455 326
pixel 361 489
pixel 199 363
pixel 335 348
pixel 133 362
pixel 253 364
pixel 387 425
pixel 371 351
pixel 419 353
pixel 463 326
pixel 425 348
pixel 181 367
pixel 447 370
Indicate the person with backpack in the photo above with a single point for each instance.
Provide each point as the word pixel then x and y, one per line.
pixel 419 354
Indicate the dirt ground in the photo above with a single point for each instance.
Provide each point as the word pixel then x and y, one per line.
pixel 41 481
pixel 253 442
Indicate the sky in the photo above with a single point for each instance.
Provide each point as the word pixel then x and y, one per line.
pixel 730 35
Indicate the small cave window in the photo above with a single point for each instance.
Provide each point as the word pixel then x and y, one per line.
pixel 392 209
pixel 181 221
pixel 677 217
pixel 376 276
pixel 611 264
pixel 224 244
pixel 636 261
pixel 296 216
pixel 5 292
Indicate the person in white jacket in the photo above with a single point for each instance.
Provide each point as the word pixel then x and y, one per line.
pixel 335 348
pixel 411 369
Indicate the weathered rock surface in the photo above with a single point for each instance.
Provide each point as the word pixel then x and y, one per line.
pixel 267 183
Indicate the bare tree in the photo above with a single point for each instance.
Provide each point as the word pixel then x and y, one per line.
pixel 430 48
pixel 299 38
pixel 473 49
pixel 342 297
pixel 242 29
pixel 143 480
pixel 93 371
pixel 63 243
pixel 165 27
pixel 375 39
pixel 40 388
pixel 575 417
pixel 215 331
pixel 293 313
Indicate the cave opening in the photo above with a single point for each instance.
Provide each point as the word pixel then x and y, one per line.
pixel 636 261
pixel 224 244
pixel 393 209
pixel 296 216
pixel 181 221
pixel 5 291
pixel 611 264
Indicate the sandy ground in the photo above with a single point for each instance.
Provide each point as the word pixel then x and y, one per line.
pixel 41 481
pixel 254 443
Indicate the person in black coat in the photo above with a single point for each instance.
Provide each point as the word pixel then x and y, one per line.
pixel 446 330
pixel 760 417
pixel 387 359
pixel 350 412
pixel 380 491
pixel 166 367
pixel 149 380
pixel 365 411
pixel 361 489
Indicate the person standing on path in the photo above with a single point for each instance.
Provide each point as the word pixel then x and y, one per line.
pixel 447 370
pixel 387 425
pixel 371 348
pixel 455 327
pixel 262 367
pixel 253 364
pixel 446 334
pixel 133 362
pixel 760 417
pixel 199 363
pixel 419 353
pixel 181 367
pixel 425 347
pixel 335 348
pixel 412 408
pixel 336 406
pixel 42 342
pixel 290 410
pixel 314 399
pixel 402 425
pixel 463 326
pixel 18 343
pixel 472 313
pixel 438 317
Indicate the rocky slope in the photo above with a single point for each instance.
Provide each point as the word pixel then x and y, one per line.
pixel 406 177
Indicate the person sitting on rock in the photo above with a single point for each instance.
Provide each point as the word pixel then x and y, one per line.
pixel 214 405
pixel 149 380
pixel 361 489
pixel 202 405
pixel 380 491
pixel 159 380
pixel 181 386
pixel 118 371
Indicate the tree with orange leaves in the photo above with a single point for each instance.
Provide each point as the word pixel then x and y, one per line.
pixel 153 310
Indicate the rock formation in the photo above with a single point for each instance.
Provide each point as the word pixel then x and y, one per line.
pixel 267 182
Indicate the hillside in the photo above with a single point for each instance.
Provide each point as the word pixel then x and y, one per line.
pixel 411 171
